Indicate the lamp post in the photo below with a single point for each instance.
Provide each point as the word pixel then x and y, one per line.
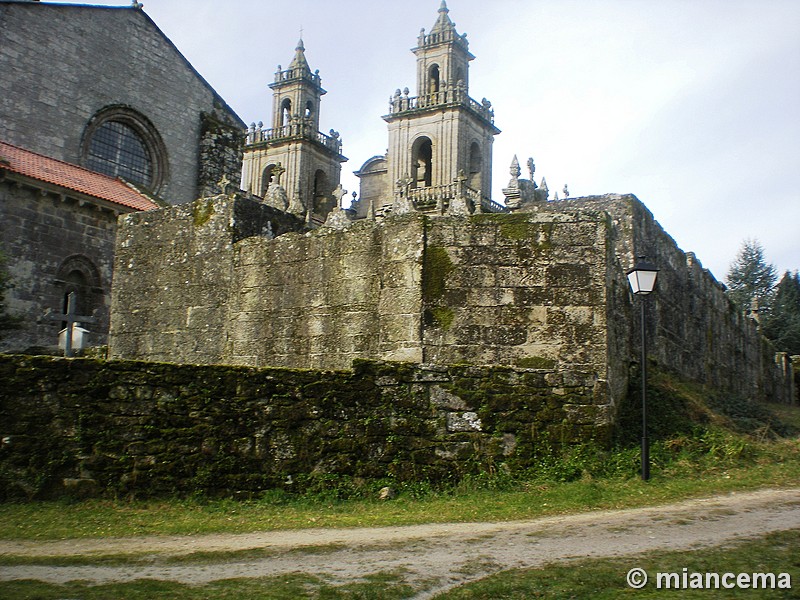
pixel 642 278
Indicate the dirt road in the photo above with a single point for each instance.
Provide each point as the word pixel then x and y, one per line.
pixel 433 557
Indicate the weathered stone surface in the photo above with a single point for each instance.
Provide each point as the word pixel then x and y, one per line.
pixel 543 287
pixel 83 427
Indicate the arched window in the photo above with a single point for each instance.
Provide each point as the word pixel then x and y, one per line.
pixel 433 79
pixel 286 111
pixel 79 274
pixel 422 163
pixel 117 150
pixel 120 142
pixel 475 164
pixel 309 109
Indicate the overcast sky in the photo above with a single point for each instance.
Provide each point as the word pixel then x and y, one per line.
pixel 691 105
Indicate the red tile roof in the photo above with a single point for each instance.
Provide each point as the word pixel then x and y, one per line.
pixel 72 177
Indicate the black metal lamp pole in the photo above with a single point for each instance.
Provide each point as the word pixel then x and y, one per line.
pixel 643 280
pixel 645 440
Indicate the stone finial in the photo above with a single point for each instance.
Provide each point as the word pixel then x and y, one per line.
pixel 566 191
pixel 512 192
pixel 296 204
pixel 338 218
pixel 531 168
pixel 753 312
pixel 403 184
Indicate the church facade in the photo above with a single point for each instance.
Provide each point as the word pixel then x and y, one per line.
pixel 92 90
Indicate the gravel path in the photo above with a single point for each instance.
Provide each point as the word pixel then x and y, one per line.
pixel 432 557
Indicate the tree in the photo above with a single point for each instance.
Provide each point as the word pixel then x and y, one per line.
pixel 783 324
pixel 751 277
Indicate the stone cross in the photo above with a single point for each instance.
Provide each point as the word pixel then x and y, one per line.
pixel 277 171
pixel 71 319
pixel 224 183
pixel 338 194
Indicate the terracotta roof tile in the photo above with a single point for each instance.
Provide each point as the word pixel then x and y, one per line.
pixel 72 177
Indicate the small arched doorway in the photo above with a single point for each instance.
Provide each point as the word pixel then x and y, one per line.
pixel 79 274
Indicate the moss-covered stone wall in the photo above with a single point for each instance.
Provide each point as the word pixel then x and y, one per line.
pixel 523 289
pixel 124 428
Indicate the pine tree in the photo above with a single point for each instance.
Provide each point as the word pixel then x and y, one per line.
pixel 783 324
pixel 751 278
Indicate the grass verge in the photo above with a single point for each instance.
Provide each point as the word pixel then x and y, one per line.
pixel 683 468
pixel 606 579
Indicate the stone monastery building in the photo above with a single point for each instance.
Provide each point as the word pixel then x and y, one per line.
pixel 103 121
pixel 425 267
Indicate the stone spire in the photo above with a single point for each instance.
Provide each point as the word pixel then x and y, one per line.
pixel 443 22
pixel 299 61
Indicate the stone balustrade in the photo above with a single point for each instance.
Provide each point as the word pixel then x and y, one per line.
pixel 400 103
pixel 439 196
pixel 297 128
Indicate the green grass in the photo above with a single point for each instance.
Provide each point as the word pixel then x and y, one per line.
pixel 604 579
pixel 380 586
pixel 687 466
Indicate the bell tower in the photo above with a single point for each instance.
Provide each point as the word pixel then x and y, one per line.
pixel 309 161
pixel 440 141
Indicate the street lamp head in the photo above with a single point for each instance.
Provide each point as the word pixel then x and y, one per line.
pixel 642 277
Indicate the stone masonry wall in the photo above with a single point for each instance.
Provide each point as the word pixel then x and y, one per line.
pixel 693 327
pixel 326 298
pixel 521 289
pixel 40 233
pixel 544 288
pixel 173 275
pixel 61 64
pixel 120 428
pixel 516 290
